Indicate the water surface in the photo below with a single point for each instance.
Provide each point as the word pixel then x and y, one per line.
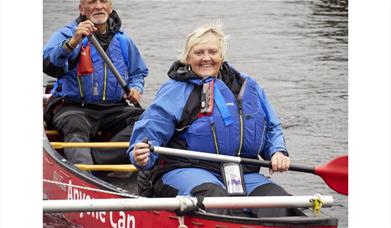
pixel 297 50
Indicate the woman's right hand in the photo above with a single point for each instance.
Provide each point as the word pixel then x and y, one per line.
pixel 141 153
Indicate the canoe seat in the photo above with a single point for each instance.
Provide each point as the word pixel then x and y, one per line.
pixel 55 136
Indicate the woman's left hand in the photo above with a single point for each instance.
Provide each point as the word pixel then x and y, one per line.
pixel 280 163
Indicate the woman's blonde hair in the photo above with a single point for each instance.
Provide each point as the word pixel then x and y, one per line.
pixel 199 34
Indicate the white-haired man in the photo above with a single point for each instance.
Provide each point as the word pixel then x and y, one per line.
pixel 87 97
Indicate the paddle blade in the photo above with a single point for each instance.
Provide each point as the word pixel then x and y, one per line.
pixel 335 174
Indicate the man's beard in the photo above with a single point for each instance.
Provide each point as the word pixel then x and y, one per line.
pixel 99 21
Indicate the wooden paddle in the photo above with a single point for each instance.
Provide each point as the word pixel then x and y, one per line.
pixel 117 75
pixel 334 173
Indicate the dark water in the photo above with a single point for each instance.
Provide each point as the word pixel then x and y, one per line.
pixel 297 50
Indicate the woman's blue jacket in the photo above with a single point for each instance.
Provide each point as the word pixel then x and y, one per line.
pixel 243 126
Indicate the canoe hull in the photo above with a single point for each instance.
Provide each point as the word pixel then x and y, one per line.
pixel 77 186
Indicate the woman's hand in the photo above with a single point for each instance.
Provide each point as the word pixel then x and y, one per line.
pixel 141 153
pixel 280 163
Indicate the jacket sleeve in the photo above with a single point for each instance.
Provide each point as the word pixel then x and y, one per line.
pixel 137 69
pixel 157 124
pixel 55 56
pixel 274 141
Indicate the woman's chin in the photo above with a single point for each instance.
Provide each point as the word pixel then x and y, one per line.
pixel 207 73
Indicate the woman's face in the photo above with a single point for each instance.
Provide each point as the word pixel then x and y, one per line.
pixel 205 58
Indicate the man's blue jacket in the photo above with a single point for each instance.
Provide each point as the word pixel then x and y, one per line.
pixel 101 85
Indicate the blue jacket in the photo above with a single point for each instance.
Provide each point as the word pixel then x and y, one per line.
pixel 102 84
pixel 261 132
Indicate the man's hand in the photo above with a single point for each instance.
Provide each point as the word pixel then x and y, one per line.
pixel 280 163
pixel 134 96
pixel 84 28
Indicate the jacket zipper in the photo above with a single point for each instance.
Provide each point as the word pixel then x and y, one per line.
pixel 212 124
pixel 104 83
pixel 239 100
pixel 263 134
pixel 80 90
pixel 241 127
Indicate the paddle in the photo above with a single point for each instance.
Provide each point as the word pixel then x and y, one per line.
pixel 184 203
pixel 334 173
pixel 112 67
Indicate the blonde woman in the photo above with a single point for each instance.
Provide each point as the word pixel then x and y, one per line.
pixel 208 106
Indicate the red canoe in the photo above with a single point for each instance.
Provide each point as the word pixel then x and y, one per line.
pixel 63 181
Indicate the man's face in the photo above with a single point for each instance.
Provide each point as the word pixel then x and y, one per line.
pixel 97 11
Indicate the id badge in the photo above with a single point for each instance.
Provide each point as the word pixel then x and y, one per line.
pixel 233 179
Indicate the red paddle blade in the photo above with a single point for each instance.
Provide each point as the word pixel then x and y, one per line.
pixel 335 174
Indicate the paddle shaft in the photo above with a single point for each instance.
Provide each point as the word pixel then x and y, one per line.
pixel 184 203
pixel 334 173
pixel 180 153
pixel 223 158
pixel 112 67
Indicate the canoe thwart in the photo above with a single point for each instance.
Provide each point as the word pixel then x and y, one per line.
pixel 63 145
pixel 119 167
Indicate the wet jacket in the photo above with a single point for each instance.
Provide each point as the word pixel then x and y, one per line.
pixel 242 123
pixel 101 85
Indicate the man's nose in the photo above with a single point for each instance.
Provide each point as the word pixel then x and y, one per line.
pixel 99 4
